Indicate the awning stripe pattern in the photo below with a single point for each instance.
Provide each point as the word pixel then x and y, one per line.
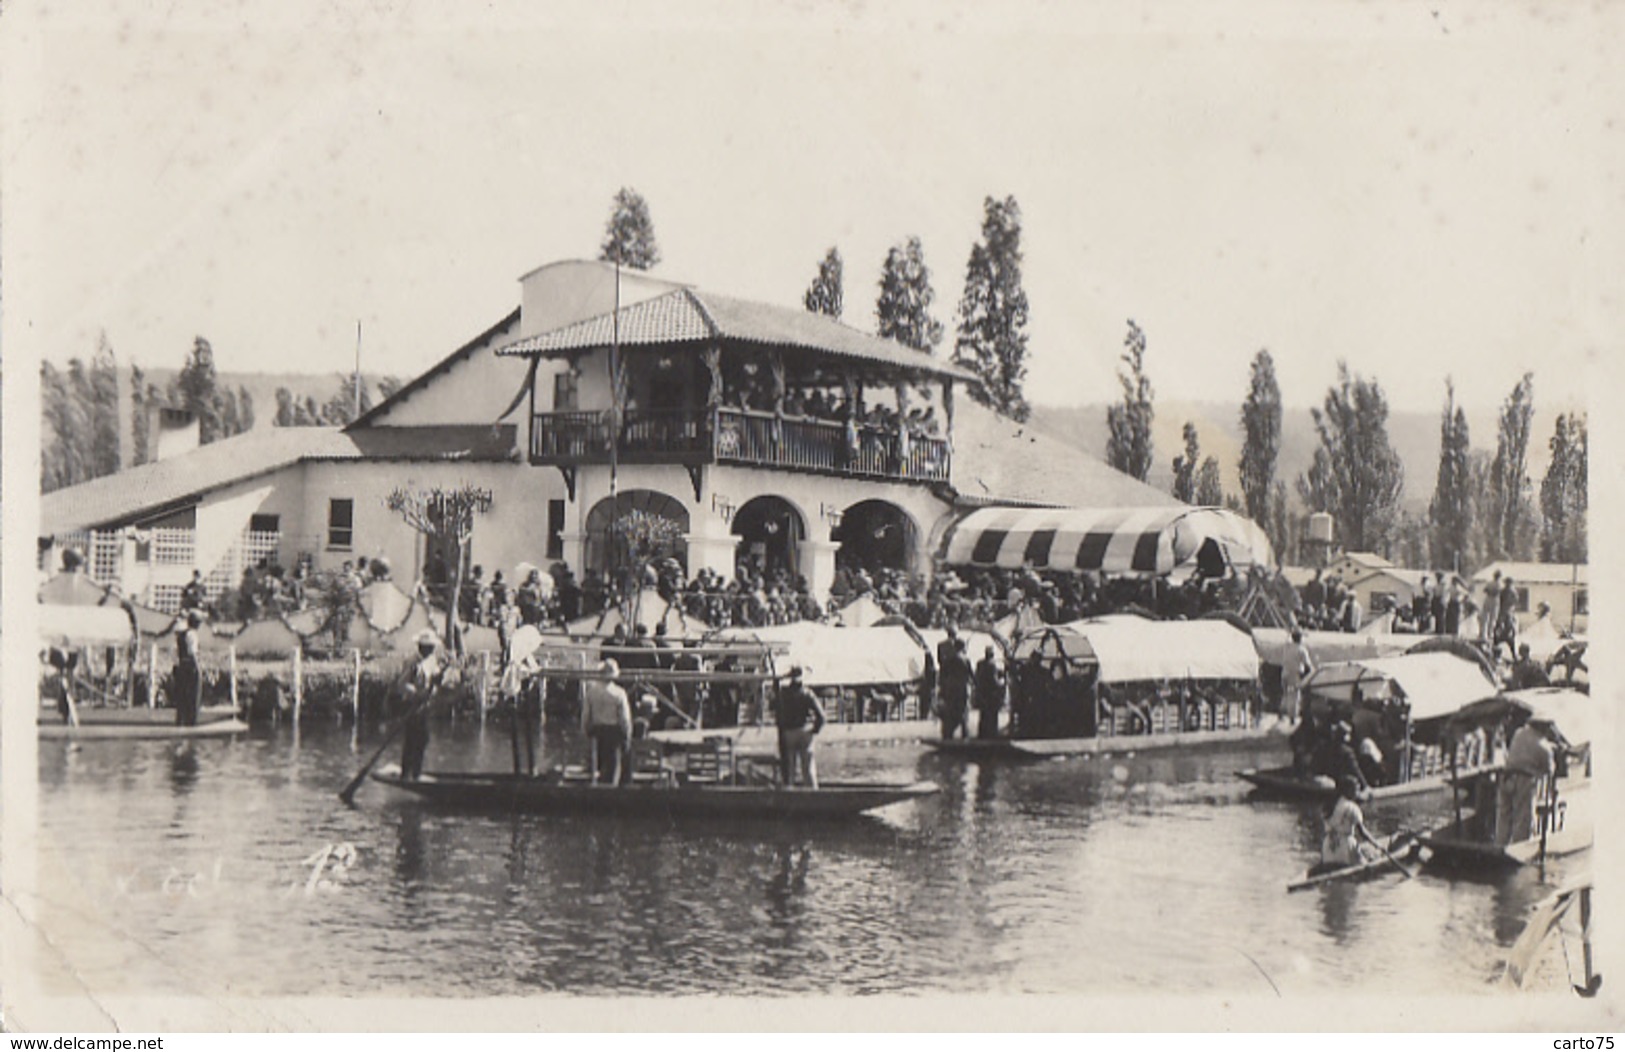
pixel 1111 540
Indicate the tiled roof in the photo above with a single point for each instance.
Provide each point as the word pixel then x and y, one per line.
pixel 1000 461
pixel 182 479
pixel 691 316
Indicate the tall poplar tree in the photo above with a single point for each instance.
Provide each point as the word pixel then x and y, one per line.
pixel 1450 513
pixel 629 236
pixel 1356 476
pixel 824 295
pixel 1564 499
pixel 196 390
pixel 1185 466
pixel 1261 442
pixel 1128 445
pixel 993 312
pixel 904 307
pixel 1510 514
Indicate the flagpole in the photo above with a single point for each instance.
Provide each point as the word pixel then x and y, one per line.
pixel 357 379
pixel 616 409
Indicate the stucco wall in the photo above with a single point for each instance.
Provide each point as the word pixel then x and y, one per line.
pixel 471 391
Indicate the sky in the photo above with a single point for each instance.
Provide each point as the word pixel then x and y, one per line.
pixel 1421 190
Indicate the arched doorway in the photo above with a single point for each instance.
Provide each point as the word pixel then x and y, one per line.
pixel 607 551
pixel 875 535
pixel 770 532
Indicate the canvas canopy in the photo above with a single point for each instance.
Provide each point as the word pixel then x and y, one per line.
pixel 1111 540
pixel 59 623
pixel 1435 684
pixel 1572 711
pixel 1275 644
pixel 1129 649
pixel 840 657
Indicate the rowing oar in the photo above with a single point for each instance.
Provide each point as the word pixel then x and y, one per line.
pixel 1396 863
pixel 347 794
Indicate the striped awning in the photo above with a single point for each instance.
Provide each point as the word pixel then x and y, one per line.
pixel 1112 540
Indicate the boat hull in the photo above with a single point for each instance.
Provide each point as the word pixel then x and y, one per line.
pixel 1362 871
pixel 139 731
pixel 1468 847
pixel 1041 748
pixel 1281 783
pixel 508 793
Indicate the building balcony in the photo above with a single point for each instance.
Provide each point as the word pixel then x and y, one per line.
pixel 739 436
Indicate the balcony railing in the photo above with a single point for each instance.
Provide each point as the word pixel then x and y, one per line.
pixel 738 436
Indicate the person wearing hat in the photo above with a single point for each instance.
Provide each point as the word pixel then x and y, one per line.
pixel 188 680
pixel 1294 671
pixel 606 720
pixel 953 684
pixel 1338 761
pixel 1531 764
pixel 416 688
pixel 990 691
pixel 799 718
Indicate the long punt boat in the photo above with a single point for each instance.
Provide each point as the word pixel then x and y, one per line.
pixel 556 794
pixel 138 724
pixel 1405 702
pixel 1124 683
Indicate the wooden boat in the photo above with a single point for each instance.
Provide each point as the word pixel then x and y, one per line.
pixel 1284 783
pixel 556 794
pixel 1403 848
pixel 1269 730
pixel 137 724
pixel 1467 843
pixel 1124 683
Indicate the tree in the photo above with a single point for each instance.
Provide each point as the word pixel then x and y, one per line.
pixel 1185 467
pixel 446 517
pixel 904 306
pixel 1209 487
pixel 104 410
pixel 993 312
pixel 1261 443
pixel 1128 447
pixel 388 386
pixel 1356 475
pixel 138 415
pixel 824 294
pixel 1450 513
pixel 245 409
pixel 1564 500
pixel 645 537
pixel 196 391
pixel 629 237
pixel 1510 513
pixel 287 414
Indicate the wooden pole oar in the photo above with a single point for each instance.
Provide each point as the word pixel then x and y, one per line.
pixel 1389 856
pixel 347 794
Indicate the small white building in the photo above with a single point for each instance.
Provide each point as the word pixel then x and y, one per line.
pixel 1560 586
pixel 747 424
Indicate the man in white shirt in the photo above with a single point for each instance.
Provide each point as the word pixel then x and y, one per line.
pixel 606 720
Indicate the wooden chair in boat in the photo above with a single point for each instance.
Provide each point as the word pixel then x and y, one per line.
pixel 710 762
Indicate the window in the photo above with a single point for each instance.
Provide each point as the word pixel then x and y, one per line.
pixel 1582 601
pixel 555 529
pixel 1523 600
pixel 564 391
pixel 340 522
pixel 264 523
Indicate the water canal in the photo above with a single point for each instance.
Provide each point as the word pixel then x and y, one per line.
pixel 226 868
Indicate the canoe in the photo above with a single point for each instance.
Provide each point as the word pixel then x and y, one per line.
pixel 1038 748
pixel 1407 846
pixel 139 731
pixel 1283 783
pixel 552 795
pixel 135 716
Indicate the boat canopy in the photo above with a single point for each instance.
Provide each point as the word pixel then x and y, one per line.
pixel 1111 540
pixel 1274 645
pixel 839 657
pixel 1129 649
pixel 1572 711
pixel 1435 685
pixel 79 625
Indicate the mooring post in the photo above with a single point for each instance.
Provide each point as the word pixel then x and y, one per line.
pixel 298 681
pixel 231 663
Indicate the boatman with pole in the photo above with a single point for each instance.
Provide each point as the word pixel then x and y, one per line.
pixel 989 695
pixel 799 717
pixel 417 686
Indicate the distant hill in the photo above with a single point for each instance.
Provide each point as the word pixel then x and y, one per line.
pixel 1415 436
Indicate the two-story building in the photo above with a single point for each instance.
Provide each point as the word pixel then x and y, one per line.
pixel 768 435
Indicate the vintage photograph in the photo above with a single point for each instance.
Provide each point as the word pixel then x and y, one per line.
pixel 743 503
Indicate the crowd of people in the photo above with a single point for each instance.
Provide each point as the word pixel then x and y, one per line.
pixel 1444 604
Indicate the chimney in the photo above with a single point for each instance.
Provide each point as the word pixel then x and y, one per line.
pixel 175 431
